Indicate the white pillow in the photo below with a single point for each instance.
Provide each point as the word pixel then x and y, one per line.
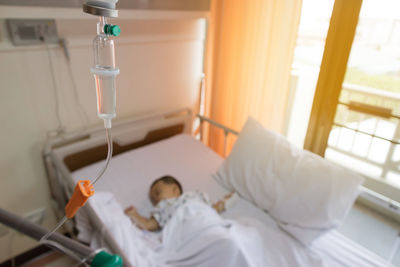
pixel 305 193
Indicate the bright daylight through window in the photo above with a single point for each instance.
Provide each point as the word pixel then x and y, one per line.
pixel 366 131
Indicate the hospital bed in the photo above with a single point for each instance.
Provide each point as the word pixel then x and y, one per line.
pixel 150 146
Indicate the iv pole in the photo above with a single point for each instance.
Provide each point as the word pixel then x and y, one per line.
pixel 103 8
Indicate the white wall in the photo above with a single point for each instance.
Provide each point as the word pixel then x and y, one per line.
pixel 160 62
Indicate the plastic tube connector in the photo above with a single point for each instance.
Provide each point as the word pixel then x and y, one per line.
pixel 107 123
pixel 83 190
pixel 111 29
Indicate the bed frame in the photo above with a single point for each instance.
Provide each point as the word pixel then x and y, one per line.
pixel 65 154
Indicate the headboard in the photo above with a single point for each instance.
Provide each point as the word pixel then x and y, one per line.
pixel 77 151
pixel 91 155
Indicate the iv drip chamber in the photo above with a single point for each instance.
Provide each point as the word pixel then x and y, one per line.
pixel 104 70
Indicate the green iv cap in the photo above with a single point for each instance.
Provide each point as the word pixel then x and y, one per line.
pixel 104 259
pixel 110 29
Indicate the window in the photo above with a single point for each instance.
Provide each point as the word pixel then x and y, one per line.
pixel 366 129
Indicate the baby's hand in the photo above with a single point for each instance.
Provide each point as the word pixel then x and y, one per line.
pixel 131 211
pixel 140 221
pixel 219 206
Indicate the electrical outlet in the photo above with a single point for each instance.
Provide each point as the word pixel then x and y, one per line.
pixel 32 31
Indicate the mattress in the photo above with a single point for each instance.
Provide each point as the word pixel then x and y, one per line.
pixel 130 175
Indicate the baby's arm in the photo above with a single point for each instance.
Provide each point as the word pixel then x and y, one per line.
pixel 144 223
pixel 220 205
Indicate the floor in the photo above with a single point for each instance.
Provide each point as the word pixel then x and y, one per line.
pixel 52 259
pixel 64 261
pixel 375 232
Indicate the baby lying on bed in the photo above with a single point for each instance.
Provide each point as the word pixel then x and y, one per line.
pixel 193 233
pixel 167 196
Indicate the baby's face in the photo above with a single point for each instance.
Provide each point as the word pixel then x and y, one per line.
pixel 161 191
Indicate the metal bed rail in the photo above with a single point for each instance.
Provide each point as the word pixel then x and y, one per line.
pixel 36 232
pixel 226 130
pixel 378 199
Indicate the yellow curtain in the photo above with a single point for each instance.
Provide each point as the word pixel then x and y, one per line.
pixel 248 59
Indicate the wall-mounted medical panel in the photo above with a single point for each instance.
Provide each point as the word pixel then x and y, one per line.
pixel 32 31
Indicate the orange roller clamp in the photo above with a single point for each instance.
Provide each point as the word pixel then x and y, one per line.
pixel 83 190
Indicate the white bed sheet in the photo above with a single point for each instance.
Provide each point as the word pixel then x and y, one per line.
pixel 130 175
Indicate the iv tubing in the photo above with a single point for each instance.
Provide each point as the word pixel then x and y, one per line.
pixel 60 223
pixel 45 238
pixel 109 155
